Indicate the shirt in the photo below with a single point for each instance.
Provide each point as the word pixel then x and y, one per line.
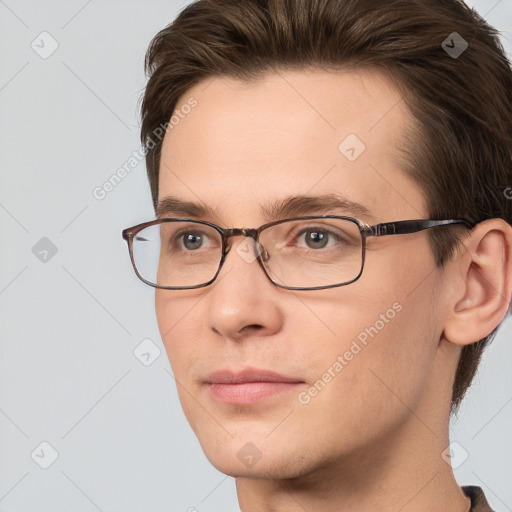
pixel 478 500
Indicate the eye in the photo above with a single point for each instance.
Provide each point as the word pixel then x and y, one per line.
pixel 181 238
pixel 315 238
pixel 318 238
pixel 192 241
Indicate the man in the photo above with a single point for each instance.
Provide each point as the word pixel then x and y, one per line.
pixel 318 358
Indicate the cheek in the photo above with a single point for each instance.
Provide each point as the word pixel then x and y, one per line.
pixel 358 400
pixel 381 359
pixel 178 329
pixel 180 333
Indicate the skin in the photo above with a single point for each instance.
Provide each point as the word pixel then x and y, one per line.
pixel 373 437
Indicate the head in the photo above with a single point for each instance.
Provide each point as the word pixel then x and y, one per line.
pixel 258 99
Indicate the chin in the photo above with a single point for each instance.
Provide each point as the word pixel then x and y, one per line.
pixel 257 459
pixel 274 468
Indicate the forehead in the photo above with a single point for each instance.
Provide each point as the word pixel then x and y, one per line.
pixel 287 133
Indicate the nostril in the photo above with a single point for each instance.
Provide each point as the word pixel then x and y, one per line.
pixel 255 327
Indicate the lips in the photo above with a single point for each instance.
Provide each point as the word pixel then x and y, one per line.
pixel 248 386
pixel 247 375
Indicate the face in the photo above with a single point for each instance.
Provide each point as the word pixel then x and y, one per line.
pixel 346 353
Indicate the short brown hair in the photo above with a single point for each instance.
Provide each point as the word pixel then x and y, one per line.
pixel 460 154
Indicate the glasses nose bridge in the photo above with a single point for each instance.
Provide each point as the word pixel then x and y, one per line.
pixel 230 232
pixel 248 232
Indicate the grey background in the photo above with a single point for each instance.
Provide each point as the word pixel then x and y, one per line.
pixel 69 325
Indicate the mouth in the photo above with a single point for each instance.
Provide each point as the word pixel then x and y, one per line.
pixel 248 386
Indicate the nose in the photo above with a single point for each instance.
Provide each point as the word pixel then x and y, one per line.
pixel 242 300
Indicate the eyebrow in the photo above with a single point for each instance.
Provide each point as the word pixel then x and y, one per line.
pixel 292 206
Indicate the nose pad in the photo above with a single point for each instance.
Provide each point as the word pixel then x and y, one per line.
pixel 265 256
pixel 260 250
pixel 249 249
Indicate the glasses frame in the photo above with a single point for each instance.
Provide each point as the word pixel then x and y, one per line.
pixel 401 227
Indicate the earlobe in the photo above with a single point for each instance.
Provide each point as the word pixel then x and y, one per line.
pixel 486 271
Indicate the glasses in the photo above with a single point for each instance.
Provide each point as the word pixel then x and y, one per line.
pixel 302 253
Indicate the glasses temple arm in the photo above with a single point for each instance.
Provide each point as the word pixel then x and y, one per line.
pixel 402 227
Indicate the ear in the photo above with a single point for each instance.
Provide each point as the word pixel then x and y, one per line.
pixel 480 298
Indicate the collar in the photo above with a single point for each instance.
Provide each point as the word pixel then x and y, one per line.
pixel 477 497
